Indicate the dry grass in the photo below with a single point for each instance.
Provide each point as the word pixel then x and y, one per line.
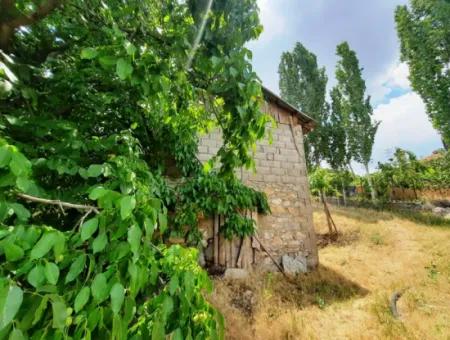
pixel 348 296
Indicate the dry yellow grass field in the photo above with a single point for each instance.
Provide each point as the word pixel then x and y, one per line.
pixel 348 296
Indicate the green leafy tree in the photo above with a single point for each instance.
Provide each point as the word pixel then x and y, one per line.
pixel 99 101
pixel 357 110
pixel 424 31
pixel 303 84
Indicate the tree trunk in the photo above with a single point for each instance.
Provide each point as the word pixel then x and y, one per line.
pixel 373 194
pixel 351 169
pixel 344 193
pixel 444 144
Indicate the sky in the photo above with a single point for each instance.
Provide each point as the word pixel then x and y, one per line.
pixel 369 28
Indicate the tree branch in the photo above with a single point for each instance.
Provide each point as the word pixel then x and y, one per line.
pixel 41 12
pixel 7 27
pixel 59 203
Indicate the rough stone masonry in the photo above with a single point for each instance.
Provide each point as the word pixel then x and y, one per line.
pixel 281 173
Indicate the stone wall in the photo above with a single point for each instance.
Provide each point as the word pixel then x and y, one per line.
pixel 281 174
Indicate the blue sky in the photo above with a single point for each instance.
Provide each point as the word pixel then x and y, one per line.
pixel 369 28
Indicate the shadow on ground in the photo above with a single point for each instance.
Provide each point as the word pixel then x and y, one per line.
pixel 322 287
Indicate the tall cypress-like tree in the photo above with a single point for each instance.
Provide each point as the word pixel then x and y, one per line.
pixel 356 109
pixel 424 32
pixel 303 84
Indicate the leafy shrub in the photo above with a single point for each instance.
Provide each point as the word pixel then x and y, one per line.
pixel 97 98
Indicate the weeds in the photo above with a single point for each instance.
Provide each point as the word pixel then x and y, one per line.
pixel 377 239
pixel 432 271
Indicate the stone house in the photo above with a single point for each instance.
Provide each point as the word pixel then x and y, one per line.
pixel 281 173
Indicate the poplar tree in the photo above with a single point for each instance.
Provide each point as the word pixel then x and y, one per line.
pixel 303 84
pixel 356 109
pixel 424 32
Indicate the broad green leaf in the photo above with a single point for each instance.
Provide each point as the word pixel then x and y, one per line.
pixel 13 252
pixel 123 69
pixel 76 268
pixel 149 227
pixel 40 310
pixel 82 298
pixel 19 164
pixel 59 314
pixel 16 334
pixel 177 334
pixel 59 247
pixel 127 204
pixel 173 284
pixel 13 301
pixel 99 288
pixel 129 309
pixel 117 297
pixel 107 61
pixel 51 273
pixel 162 222
pixel 130 48
pixel 22 213
pixel 95 170
pixel 97 192
pixel 43 246
pixel 167 307
pixel 88 53
pixel 89 228
pixel 36 276
pixel 24 184
pixel 134 238
pixel 158 332
pixel 100 242
pixel 5 156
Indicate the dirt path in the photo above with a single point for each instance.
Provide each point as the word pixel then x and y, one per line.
pixel 348 297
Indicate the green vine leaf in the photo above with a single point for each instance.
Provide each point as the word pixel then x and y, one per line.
pixel 59 314
pixel 51 273
pixel 127 205
pixel 16 334
pixel 89 228
pixel 11 305
pixel 36 276
pixel 99 243
pixel 13 252
pixel 123 69
pixel 76 268
pixel 99 288
pixel 134 239
pixel 82 298
pixel 89 53
pixel 43 246
pixel 117 297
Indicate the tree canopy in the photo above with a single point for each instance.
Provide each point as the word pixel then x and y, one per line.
pixel 99 100
pixel 356 108
pixel 303 84
pixel 424 31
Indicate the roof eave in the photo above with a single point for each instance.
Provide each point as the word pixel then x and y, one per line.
pixel 308 123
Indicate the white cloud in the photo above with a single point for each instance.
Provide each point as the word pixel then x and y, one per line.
pixel 395 77
pixel 405 124
pixel 273 20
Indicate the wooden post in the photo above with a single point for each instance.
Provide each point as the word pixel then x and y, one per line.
pixel 216 240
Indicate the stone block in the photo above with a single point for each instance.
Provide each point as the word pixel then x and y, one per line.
pixel 235 274
pixel 294 265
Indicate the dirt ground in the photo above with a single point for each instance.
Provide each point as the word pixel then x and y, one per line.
pixel 348 296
